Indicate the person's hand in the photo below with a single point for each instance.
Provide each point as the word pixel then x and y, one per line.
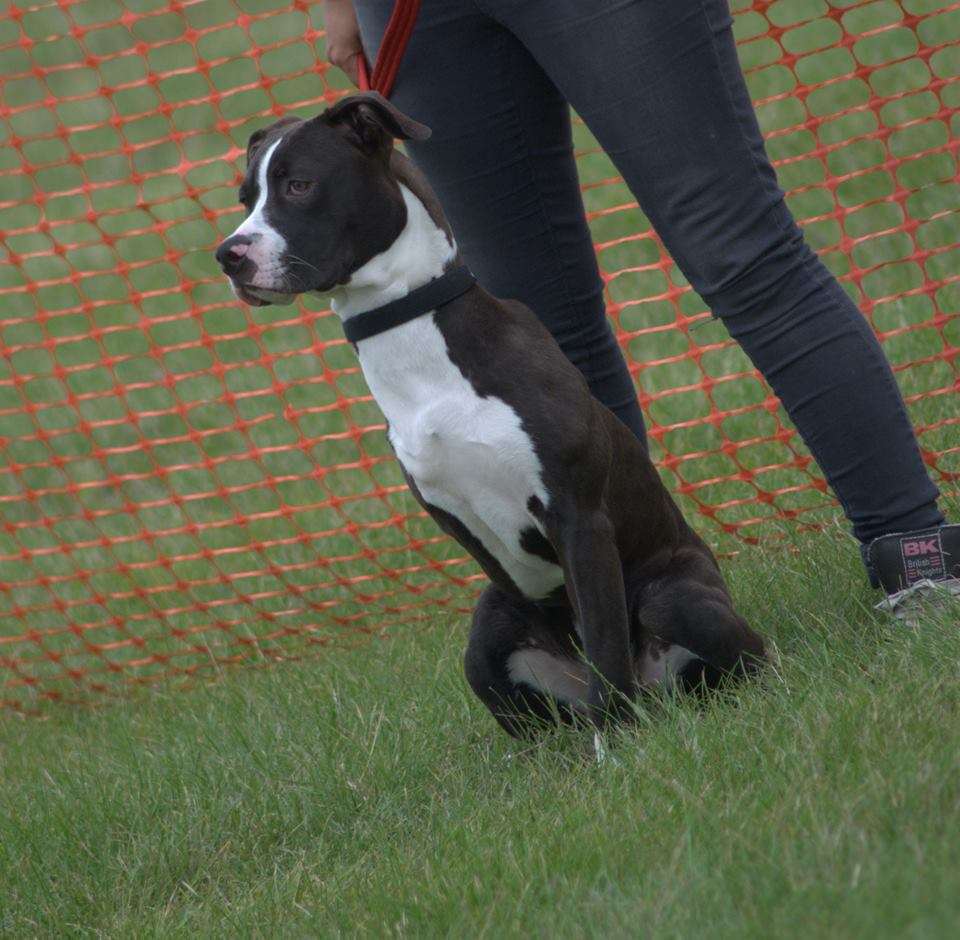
pixel 343 37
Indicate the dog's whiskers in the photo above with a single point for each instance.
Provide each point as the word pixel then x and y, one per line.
pixel 289 279
pixel 295 259
pixel 303 261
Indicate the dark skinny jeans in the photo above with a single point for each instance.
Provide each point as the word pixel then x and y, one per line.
pixel 659 85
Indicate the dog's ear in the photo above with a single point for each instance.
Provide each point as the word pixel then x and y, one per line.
pixel 258 138
pixel 372 122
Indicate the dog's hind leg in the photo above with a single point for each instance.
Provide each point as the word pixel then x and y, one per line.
pixel 692 626
pixel 523 664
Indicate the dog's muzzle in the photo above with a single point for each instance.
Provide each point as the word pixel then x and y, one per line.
pixel 232 257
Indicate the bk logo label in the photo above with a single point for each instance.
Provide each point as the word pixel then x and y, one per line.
pixel 916 547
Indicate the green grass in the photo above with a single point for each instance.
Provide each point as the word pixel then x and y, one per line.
pixel 369 794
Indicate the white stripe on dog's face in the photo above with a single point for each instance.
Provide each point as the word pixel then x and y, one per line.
pixel 267 244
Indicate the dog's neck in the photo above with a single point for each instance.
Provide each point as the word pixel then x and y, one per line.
pixel 420 253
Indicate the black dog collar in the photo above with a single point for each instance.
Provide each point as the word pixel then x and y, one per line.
pixel 441 290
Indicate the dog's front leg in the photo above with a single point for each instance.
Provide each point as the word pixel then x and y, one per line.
pixel 594 580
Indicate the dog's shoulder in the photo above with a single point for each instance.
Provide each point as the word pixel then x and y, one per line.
pixel 505 351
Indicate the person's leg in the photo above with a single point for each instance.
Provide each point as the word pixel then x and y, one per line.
pixel 660 86
pixel 501 161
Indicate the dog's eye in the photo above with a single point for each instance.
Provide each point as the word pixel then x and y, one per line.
pixel 298 187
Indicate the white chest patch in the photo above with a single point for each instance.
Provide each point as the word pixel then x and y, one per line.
pixel 468 455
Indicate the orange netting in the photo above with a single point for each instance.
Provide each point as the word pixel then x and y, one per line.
pixel 185 481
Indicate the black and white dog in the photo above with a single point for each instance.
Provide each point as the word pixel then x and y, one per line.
pixel 598 585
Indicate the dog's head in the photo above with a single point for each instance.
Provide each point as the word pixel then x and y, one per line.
pixel 321 200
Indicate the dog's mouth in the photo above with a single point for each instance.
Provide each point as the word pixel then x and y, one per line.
pixel 261 296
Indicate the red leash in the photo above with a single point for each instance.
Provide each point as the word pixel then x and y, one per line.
pixel 395 39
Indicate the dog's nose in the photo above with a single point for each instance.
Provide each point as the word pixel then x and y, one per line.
pixel 232 254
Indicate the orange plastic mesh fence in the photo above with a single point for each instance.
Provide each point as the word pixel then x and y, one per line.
pixel 187 482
